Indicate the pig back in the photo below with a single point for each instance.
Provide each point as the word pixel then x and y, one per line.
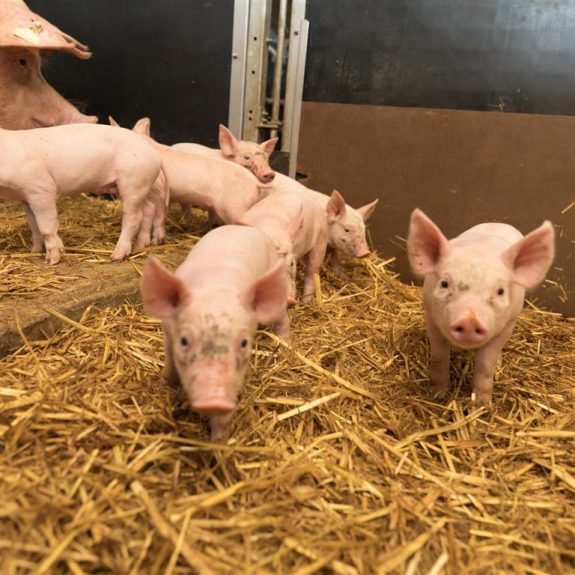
pixel 231 255
pixel 87 157
pixel 488 238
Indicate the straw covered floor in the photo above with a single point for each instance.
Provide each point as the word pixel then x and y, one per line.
pixel 339 461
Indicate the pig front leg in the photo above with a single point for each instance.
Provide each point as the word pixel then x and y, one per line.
pixel 486 362
pixel 131 219
pixel 336 263
pixel 221 427
pixel 314 260
pixel 439 359
pixel 37 242
pixel 45 214
pixel 282 327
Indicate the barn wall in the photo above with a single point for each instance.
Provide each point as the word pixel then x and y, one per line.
pixel 167 60
pixel 461 167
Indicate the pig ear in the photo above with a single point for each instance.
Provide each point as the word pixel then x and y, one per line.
pixel 228 144
pixel 113 122
pixel 367 210
pixel 425 244
pixel 531 257
pixel 161 290
pixel 335 207
pixel 269 146
pixel 267 297
pixel 142 126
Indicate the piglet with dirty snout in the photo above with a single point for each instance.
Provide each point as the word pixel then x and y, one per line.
pixel 42 164
pixel 210 307
pixel 474 289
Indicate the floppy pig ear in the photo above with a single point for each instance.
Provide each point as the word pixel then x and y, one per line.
pixel 531 257
pixel 142 126
pixel 335 207
pixel 113 122
pixel 267 297
pixel 425 244
pixel 228 144
pixel 161 290
pixel 269 146
pixel 367 210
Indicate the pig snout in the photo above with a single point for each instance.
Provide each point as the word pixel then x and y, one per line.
pixel 468 331
pixel 361 250
pixel 213 406
pixel 266 176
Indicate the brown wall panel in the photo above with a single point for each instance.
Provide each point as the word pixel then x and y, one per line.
pixel 460 167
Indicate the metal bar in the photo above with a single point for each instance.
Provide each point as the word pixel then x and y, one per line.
pixel 255 73
pixel 238 66
pixel 298 96
pixel 278 68
pixel 289 137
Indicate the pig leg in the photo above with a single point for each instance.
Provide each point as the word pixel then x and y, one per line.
pixel 131 219
pixel 221 427
pixel 440 355
pixel 145 231
pixel 37 243
pixel 336 264
pixel 282 327
pixel 314 260
pixel 486 364
pixel 43 208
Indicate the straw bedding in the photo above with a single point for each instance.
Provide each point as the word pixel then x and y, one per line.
pixel 339 461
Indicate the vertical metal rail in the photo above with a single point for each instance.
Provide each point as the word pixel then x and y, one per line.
pixel 278 68
pixel 249 118
pixel 238 66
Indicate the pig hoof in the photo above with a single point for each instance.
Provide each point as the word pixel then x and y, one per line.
pixel 439 395
pixel 119 255
pixel 52 260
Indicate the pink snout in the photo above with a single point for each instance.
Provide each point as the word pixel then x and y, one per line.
pixel 266 176
pixel 468 331
pixel 213 406
pixel 361 251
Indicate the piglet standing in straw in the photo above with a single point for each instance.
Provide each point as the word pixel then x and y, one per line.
pixel 42 164
pixel 474 289
pixel 210 307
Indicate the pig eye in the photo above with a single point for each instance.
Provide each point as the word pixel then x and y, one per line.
pixel 244 343
pixel 444 284
pixel 23 62
pixel 500 291
pixel 184 341
pixel 246 157
pixel 347 230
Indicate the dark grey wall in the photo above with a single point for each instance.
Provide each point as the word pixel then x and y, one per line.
pixel 509 55
pixel 169 60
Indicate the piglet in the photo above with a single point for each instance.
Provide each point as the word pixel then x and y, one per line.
pixel 474 289
pixel 250 155
pixel 297 226
pixel 225 190
pixel 346 225
pixel 210 307
pixel 40 165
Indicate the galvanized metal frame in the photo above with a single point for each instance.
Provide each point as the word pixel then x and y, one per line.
pixel 248 117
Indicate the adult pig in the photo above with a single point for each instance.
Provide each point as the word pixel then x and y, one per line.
pixel 250 155
pixel 474 289
pixel 26 99
pixel 39 165
pixel 296 224
pixel 210 307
